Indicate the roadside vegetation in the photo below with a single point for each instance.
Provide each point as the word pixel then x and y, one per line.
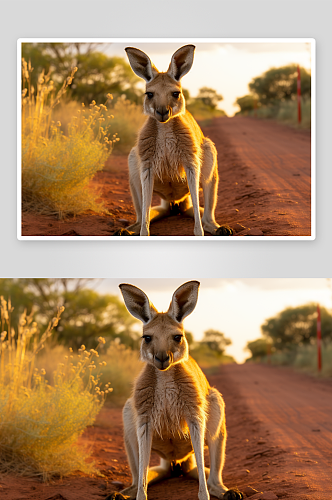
pixel 56 167
pixel 290 339
pixel 204 107
pixel 42 418
pixel 210 351
pixel 273 95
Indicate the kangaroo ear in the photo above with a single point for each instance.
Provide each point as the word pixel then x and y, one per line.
pixel 184 300
pixel 181 62
pixel 141 64
pixel 137 303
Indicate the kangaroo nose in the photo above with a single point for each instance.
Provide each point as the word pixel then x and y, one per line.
pixel 162 357
pixel 163 112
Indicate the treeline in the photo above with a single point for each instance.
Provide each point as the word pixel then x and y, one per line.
pixel 273 94
pixel 99 74
pixel 89 315
pixel 290 338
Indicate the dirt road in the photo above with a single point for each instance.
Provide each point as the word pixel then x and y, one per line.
pixel 293 415
pixel 279 443
pixel 265 184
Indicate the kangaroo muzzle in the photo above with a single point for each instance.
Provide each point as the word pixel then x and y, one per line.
pixel 163 114
pixel 162 360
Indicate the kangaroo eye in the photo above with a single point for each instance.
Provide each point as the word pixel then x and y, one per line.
pixel 178 338
pixel 147 339
pixel 176 95
pixel 149 95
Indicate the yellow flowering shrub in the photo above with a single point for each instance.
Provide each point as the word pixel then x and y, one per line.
pixel 41 421
pixel 57 168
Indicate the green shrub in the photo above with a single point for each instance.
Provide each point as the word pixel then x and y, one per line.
pixel 207 358
pixel 202 113
pixel 302 358
pixel 285 112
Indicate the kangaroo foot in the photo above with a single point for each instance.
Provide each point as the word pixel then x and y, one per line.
pixel 223 231
pixel 233 495
pixel 117 496
pixel 124 232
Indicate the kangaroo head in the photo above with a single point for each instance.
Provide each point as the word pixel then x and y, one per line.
pixel 164 342
pixel 163 96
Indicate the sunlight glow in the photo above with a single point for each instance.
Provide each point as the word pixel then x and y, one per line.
pixel 226 67
pixel 235 307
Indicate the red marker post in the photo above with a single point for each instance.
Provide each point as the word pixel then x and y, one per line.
pixel 298 94
pixel 319 340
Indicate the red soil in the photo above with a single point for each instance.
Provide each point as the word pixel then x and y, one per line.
pixel 279 443
pixel 265 184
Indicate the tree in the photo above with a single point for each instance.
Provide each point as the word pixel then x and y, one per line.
pixel 96 76
pixel 280 84
pixel 209 97
pixel 246 103
pixel 87 315
pixel 186 94
pixel 297 326
pixel 258 348
pixel 190 338
pixel 215 341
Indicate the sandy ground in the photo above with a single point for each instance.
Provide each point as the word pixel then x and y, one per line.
pixel 265 185
pixel 279 443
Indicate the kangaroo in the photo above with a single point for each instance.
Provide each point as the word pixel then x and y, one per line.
pixel 172 157
pixel 173 410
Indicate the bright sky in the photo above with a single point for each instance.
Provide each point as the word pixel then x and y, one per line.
pixel 236 307
pixel 225 67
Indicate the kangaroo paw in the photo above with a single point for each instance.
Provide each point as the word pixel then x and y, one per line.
pixel 124 232
pixel 233 495
pixel 224 231
pixel 117 496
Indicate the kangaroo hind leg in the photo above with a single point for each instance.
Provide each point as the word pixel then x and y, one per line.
pixel 209 182
pixel 216 441
pixel 136 194
pixel 131 445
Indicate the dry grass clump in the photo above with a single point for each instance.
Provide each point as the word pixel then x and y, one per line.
pixel 123 366
pixel 127 121
pixel 57 168
pixel 39 423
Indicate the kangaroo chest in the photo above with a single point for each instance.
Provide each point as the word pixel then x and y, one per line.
pixel 170 181
pixel 166 148
pixel 168 412
pixel 167 400
pixel 167 161
pixel 171 437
